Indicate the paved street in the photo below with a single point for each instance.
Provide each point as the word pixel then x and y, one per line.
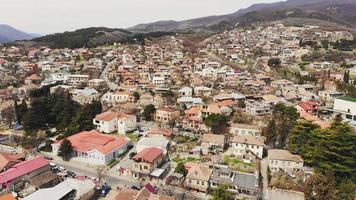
pixel 83 169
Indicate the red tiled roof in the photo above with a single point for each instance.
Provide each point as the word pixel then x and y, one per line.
pixel 23 168
pixel 93 140
pixel 160 131
pixel 148 154
pixel 7 197
pixel 6 158
pixel 308 105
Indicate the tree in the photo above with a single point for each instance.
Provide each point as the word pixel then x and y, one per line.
pixel 284 118
pixel 274 62
pixel 221 193
pixel 346 76
pixel 320 187
pixel 137 96
pixel 102 172
pixel 300 135
pixel 8 115
pixel 20 110
pixel 65 149
pixel 218 123
pixel 180 169
pixel 346 190
pixel 148 112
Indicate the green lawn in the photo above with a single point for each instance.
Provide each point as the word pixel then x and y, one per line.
pixel 239 165
pixel 184 160
pixel 132 137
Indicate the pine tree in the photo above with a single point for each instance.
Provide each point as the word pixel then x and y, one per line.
pixel 346 77
pixel 65 150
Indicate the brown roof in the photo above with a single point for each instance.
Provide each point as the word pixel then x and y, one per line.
pixel 7 197
pixel 7 158
pixel 199 172
pixel 43 178
pixel 279 154
pixel 212 138
pixel 245 126
pixel 149 154
pixel 166 109
pixel 108 116
pixel 160 131
pixel 248 139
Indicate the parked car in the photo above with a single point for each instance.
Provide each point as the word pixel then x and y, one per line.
pixel 48 158
pixel 105 190
pixel 71 174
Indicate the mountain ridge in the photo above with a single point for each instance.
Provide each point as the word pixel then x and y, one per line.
pixel 11 34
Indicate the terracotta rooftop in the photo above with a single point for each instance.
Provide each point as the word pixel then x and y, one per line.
pixel 93 140
pixel 199 172
pixel 213 138
pixel 109 115
pixel 148 155
pixel 279 154
pixel 248 139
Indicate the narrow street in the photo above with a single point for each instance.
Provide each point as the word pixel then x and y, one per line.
pixel 264 165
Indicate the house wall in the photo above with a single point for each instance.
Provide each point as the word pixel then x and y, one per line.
pixel 347 109
pixel 242 131
pixel 239 149
pixel 197 184
pixel 277 165
pixel 127 124
pixel 106 126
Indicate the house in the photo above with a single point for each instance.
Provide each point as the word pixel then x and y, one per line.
pixel 109 122
pixel 346 106
pixel 95 148
pixel 168 133
pixel 210 142
pixel 131 194
pixel 68 189
pixel 185 92
pixel 243 184
pixel 248 147
pixel 166 115
pixel 190 101
pixel 202 91
pixel 117 97
pixel 85 96
pixel 329 95
pixel 77 79
pixel 282 83
pixel 245 129
pixel 258 108
pixel 15 176
pixel 33 79
pixel 283 160
pixel 154 141
pixel 198 177
pixel 7 160
pixel 143 164
pixel 310 107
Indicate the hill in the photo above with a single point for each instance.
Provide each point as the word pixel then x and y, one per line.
pixel 94 36
pixel 10 34
pixel 339 11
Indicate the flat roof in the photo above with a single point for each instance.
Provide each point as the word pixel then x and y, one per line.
pixel 348 98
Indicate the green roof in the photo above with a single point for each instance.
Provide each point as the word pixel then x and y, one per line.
pixel 352 99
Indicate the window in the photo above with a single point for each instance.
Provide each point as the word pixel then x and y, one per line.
pixel 145 167
pixel 348 116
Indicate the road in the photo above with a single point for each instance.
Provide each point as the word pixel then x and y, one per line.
pixel 104 76
pixel 264 165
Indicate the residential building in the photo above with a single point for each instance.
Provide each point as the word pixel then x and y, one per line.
pixel 258 108
pixel 7 160
pixel 95 148
pixel 245 129
pixel 310 107
pixel 283 160
pixel 154 141
pixel 185 92
pixel 109 122
pixel 248 147
pixel 198 177
pixel 346 106
pixel 15 177
pixel 166 115
pixel 85 96
pixel 213 143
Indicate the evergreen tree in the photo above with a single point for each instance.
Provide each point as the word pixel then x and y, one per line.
pixel 65 149
pixel 217 123
pixel 221 193
pixel 148 112
pixel 346 77
pixel 320 187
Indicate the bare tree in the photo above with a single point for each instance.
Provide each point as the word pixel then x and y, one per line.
pixel 102 172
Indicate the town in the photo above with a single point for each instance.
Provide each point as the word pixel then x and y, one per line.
pixel 261 113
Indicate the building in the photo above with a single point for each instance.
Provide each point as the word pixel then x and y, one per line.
pixel 166 115
pixel 95 148
pixel 131 194
pixel 212 142
pixel 346 106
pixel 329 95
pixel 247 146
pixel 198 177
pixel 77 79
pixel 85 96
pixel 68 189
pixel 258 108
pixel 310 107
pixel 283 160
pixel 16 175
pixel 7 160
pixel 154 141
pixel 185 92
pixel 243 184
pixel 109 122
pixel 245 129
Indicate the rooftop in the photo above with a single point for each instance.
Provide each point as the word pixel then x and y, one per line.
pixel 348 98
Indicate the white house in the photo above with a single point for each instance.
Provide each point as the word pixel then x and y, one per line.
pixel 247 145
pixel 185 92
pixel 346 106
pixel 155 141
pixel 245 129
pixel 109 122
pixel 95 148
pixel 279 159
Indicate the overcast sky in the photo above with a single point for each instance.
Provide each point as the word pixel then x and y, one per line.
pixel 50 16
